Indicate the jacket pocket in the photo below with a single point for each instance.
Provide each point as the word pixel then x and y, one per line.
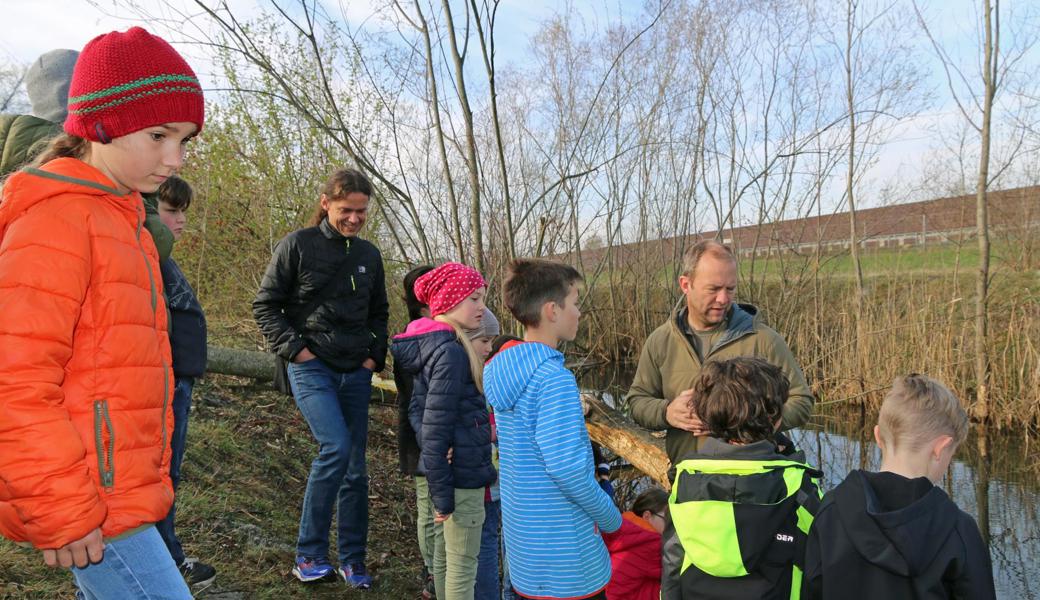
pixel 104 444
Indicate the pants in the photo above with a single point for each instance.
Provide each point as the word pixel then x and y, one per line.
pixel 137 567
pixel 181 410
pixel 335 406
pixel 424 521
pixel 457 544
pixel 488 586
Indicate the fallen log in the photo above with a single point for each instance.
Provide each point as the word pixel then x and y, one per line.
pixel 611 429
pixel 607 426
pixel 260 366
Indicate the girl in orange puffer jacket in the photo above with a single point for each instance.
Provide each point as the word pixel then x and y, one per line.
pixel 85 379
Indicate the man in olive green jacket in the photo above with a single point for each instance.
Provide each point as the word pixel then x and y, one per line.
pixel 22 137
pixel 707 325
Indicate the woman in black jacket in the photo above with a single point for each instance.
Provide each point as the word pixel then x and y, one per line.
pixel 322 307
pixel 449 414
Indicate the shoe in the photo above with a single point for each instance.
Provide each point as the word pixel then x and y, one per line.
pixel 356 576
pixel 197 574
pixel 309 569
pixel 429 591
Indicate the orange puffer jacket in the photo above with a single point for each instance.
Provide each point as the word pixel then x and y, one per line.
pixel 85 379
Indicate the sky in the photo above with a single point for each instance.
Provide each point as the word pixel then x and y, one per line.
pixel 31 27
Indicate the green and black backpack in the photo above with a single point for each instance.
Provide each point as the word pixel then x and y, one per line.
pixel 742 525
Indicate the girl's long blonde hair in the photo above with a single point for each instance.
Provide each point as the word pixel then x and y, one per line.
pixel 476 365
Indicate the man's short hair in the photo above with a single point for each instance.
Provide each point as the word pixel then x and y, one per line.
pixel 693 255
pixel 531 283
pixel 175 192
pixel 740 399
pixel 917 410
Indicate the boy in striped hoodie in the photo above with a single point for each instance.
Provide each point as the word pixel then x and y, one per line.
pixel 552 508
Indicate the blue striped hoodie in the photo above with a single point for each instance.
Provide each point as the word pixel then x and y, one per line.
pixel 552 508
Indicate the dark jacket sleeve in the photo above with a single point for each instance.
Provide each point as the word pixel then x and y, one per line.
pixel 446 383
pixel 974 578
pixel 378 316
pixel 812 577
pixel 407 446
pixel 272 299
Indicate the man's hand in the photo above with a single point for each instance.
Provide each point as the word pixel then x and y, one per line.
pixel 439 518
pixel 303 356
pixel 87 550
pixel 369 364
pixel 680 416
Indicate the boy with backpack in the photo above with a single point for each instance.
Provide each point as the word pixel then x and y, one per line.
pixel 741 505
pixel 894 533
pixel 552 508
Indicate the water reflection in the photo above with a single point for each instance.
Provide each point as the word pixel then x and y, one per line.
pixel 989 479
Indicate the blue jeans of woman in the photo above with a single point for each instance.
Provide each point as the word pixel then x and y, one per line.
pixel 137 567
pixel 335 406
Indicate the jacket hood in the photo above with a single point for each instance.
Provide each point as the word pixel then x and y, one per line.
pixel 510 371
pixel 742 319
pixel 895 523
pixel 634 532
pixel 420 340
pixel 26 188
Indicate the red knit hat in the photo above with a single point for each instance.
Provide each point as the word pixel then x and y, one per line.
pixel 444 287
pixel 126 81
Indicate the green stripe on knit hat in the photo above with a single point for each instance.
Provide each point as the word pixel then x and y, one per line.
pixel 144 81
pixel 125 99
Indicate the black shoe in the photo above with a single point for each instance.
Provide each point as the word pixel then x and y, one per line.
pixel 199 575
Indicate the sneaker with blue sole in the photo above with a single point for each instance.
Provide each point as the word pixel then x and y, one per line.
pixel 356 576
pixel 308 568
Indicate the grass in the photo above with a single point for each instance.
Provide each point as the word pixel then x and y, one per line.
pixel 246 465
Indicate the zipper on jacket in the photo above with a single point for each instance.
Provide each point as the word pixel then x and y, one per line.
pixel 104 451
pixel 348 246
pixel 155 326
pixel 353 286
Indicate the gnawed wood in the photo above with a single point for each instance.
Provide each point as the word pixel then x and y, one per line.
pixel 611 429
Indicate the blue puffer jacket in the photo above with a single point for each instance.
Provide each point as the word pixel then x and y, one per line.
pixel 447 411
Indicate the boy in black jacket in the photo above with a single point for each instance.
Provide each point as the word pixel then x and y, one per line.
pixel 895 534
pixel 188 344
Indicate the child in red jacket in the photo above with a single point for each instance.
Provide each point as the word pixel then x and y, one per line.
pixel 635 549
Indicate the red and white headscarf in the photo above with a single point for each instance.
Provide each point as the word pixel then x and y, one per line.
pixel 444 287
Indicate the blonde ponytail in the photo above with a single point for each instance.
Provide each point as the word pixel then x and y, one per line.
pixel 476 365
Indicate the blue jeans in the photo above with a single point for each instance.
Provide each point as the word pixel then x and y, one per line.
pixel 181 409
pixel 335 406
pixel 137 567
pixel 488 587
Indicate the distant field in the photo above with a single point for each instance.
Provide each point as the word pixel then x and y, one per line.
pixel 878 262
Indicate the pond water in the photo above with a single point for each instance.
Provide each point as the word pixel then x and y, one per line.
pixel 991 479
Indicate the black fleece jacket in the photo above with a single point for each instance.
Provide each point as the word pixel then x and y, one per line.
pixel 346 328
pixel 881 535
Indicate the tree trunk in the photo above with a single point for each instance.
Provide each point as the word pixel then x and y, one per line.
pixel 611 429
pixel 471 143
pixel 981 408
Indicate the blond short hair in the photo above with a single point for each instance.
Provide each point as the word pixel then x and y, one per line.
pixel 919 409
pixel 693 255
